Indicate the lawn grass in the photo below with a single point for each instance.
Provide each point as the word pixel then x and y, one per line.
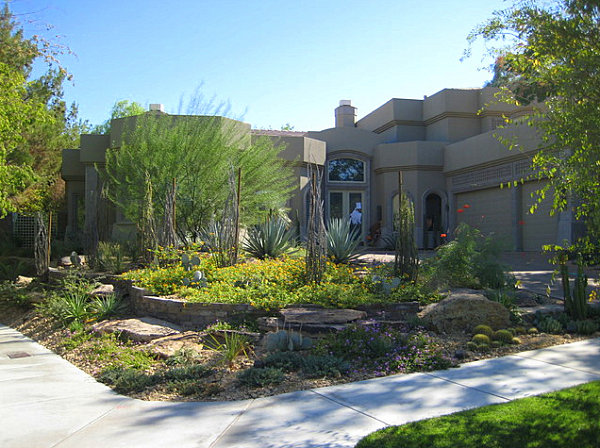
pixel 564 419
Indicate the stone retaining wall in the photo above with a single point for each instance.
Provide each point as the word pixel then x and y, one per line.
pixel 189 315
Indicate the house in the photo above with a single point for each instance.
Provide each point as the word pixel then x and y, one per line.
pixel 446 147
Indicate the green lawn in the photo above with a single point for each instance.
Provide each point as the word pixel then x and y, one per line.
pixel 564 419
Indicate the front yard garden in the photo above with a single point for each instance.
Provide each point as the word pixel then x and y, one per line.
pixel 241 357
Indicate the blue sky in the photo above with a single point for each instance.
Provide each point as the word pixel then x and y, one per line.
pixel 275 62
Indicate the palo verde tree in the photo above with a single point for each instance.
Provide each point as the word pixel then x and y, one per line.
pixel 120 109
pixel 198 152
pixel 548 56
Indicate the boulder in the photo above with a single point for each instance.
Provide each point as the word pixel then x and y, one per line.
pixel 462 311
pixel 23 281
pixel 144 329
pixel 102 290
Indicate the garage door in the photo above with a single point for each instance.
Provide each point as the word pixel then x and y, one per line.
pixel 539 228
pixel 487 210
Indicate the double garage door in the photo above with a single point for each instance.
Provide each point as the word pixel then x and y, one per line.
pixel 491 211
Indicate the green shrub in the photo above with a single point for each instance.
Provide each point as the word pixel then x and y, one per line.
pixel 190 372
pixel 110 257
pixel 315 366
pixel 107 306
pixel 125 381
pixel 342 242
pixel 286 361
pixel 470 260
pixel 483 329
pixel 260 377
pixel 548 324
pixel 270 239
pixel 481 339
pixel 586 326
pixel 232 346
pixel 503 336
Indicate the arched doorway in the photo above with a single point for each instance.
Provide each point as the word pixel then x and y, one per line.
pixel 432 225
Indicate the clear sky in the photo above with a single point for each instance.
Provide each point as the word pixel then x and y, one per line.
pixel 276 62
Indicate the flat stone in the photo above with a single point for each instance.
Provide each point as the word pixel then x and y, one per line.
pixel 318 316
pixel 144 329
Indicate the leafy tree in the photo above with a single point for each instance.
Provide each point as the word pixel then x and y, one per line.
pixel 550 52
pixel 199 152
pixel 35 123
pixel 120 109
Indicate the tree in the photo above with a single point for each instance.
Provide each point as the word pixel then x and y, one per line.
pixel 551 54
pixel 199 152
pixel 35 123
pixel 120 109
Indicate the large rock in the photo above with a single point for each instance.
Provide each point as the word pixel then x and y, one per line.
pixel 301 315
pixel 144 329
pixel 463 310
pixel 102 290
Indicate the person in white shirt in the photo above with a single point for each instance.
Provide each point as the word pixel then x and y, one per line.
pixel 356 219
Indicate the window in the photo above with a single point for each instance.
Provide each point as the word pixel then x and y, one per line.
pixel 346 170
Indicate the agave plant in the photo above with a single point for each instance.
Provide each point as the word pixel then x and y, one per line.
pixel 270 239
pixel 342 241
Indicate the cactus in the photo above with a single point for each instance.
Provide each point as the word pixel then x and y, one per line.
pixel 483 329
pixel 75 259
pixel 586 326
pixel 550 325
pixel 481 339
pixel 503 336
pixel 188 263
pixel 198 280
pixel 284 340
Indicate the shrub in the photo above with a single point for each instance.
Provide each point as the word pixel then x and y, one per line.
pixel 342 242
pixel 470 260
pixel 548 324
pixel 270 239
pixel 260 377
pixel 125 381
pixel 484 329
pixel 106 306
pixel 110 257
pixel 481 339
pixel 324 365
pixel 232 346
pixel 586 326
pixel 189 372
pixel 286 361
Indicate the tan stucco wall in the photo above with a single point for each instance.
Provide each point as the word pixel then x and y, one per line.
pixel 408 155
pixel 347 140
pixel 72 169
pixel 93 148
pixel 486 148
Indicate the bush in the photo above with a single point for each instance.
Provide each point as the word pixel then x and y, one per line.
pixel 548 324
pixel 323 366
pixel 260 377
pixel 125 381
pixel 286 361
pixel 586 326
pixel 470 260
pixel 107 306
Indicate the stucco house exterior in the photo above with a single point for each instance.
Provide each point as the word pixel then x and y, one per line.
pixel 454 169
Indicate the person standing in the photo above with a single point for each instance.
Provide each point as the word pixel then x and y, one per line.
pixel 356 219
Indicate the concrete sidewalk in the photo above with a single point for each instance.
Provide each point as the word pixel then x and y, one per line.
pixel 47 402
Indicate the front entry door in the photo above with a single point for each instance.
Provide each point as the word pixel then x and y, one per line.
pixel 343 203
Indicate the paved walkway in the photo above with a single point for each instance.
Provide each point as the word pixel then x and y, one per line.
pixel 47 402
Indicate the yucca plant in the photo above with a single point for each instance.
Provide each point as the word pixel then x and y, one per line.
pixel 107 306
pixel 342 241
pixel 270 239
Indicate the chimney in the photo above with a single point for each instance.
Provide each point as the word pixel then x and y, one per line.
pixel 157 108
pixel 345 115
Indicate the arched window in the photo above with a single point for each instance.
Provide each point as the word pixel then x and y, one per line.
pixel 346 170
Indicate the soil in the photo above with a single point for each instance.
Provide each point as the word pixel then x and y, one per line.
pixel 222 384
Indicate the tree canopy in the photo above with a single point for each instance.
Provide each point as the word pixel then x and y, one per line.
pixel 549 51
pixel 35 123
pixel 199 154
pixel 120 109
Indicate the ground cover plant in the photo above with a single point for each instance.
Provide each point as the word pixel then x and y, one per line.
pixel 562 419
pixel 275 283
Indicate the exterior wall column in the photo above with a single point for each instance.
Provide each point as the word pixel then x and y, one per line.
pixel 91 208
pixel 517 217
pixel 451 215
